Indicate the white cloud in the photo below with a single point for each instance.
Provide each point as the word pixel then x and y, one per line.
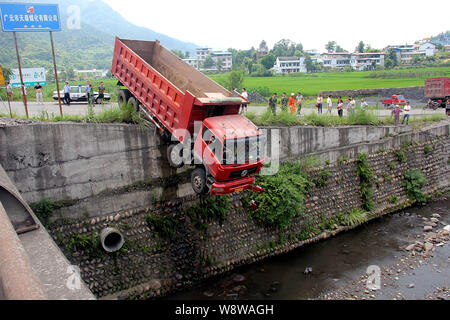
pixel 243 24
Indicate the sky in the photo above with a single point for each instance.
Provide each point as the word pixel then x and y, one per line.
pixel 241 24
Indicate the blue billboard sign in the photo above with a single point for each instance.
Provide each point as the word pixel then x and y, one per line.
pixel 30 17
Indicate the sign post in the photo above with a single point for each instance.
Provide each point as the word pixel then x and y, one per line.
pixel 3 84
pixel 31 17
pixel 24 96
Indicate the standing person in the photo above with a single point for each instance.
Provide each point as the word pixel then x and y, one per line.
pixel 319 103
pixel 284 102
pixel 349 106
pixel 299 101
pixel 9 94
pixel 88 92
pixel 292 103
pixel 396 113
pixel 447 107
pixel 67 93
pixel 101 93
pixel 329 105
pixel 352 105
pixel 244 105
pixel 273 104
pixel 364 104
pixel 340 107
pixel 406 111
pixel 38 90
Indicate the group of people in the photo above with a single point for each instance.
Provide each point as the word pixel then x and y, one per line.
pixel 293 103
pixel 89 89
pixel 350 105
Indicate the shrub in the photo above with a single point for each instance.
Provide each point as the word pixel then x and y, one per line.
pixel 401 157
pixel 428 148
pixel 209 209
pixel 165 225
pixel 352 217
pixel 414 181
pixel 283 197
pixel 366 176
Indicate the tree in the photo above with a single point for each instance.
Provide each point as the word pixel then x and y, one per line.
pixel 360 47
pixel 330 46
pixel 219 64
pixel 339 49
pixel 263 45
pixel 235 79
pixel 391 59
pixel 7 72
pixel 186 55
pixel 209 62
pixel 309 64
pixel 268 60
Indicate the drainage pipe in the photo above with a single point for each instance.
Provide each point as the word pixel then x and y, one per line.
pixel 17 278
pixel 112 240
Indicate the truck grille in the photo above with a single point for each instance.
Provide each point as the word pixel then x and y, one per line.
pixel 238 174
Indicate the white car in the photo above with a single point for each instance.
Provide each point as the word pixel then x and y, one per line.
pixel 78 94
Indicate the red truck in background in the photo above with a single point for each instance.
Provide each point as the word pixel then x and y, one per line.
pixel 438 90
pixel 396 99
pixel 196 117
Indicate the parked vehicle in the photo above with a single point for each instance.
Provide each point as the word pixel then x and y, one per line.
pixel 396 99
pixel 78 94
pixel 196 117
pixel 438 90
pixel 433 105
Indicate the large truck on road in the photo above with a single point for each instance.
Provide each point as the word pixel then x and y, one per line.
pixel 438 90
pixel 196 117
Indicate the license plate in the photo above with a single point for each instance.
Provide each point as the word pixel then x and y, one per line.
pixel 239 190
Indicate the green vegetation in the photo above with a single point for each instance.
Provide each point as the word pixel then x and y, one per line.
pixel 393 199
pixel 90 244
pixel 366 176
pixel 341 160
pixel 283 197
pixel 360 117
pixel 352 218
pixel 414 181
pixel 209 209
pixel 322 180
pixel 165 225
pixel 428 148
pixel 401 157
pixel 311 84
pixel 391 165
pixel 44 209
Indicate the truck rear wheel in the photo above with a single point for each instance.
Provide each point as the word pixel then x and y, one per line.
pixel 175 155
pixel 135 103
pixel 123 96
pixel 198 181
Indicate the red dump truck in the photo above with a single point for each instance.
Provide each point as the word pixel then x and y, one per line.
pixel 196 117
pixel 438 90
pixel 396 99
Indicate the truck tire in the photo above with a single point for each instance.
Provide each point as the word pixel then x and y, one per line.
pixel 198 181
pixel 175 155
pixel 123 96
pixel 135 103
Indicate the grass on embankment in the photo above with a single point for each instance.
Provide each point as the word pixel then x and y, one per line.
pixel 358 118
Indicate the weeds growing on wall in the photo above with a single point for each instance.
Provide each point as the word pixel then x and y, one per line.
pixel 90 244
pixel 401 157
pixel 322 180
pixel 428 148
pixel 212 208
pixel 366 176
pixel 352 217
pixel 164 225
pixel 44 209
pixel 283 197
pixel 414 181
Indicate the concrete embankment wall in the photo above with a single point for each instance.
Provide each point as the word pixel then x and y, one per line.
pixel 153 266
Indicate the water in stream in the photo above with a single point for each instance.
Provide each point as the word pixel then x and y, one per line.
pixel 335 262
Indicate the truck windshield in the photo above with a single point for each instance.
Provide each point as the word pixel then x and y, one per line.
pixel 243 150
pixel 401 98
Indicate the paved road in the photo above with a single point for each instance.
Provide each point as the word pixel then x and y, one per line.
pixel 52 108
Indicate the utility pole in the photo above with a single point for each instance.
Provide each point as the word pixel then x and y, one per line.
pixel 21 77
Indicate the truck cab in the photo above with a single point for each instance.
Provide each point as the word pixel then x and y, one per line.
pixel 227 154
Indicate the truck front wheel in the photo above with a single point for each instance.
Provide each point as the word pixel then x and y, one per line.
pixel 175 155
pixel 198 181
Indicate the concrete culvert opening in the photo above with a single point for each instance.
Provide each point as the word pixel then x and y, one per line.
pixel 112 240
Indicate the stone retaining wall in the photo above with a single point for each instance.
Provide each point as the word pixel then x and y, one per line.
pixel 152 266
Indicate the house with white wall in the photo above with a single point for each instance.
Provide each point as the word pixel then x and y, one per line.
pixel 285 65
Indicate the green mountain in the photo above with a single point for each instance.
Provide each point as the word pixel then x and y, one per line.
pixel 89 47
